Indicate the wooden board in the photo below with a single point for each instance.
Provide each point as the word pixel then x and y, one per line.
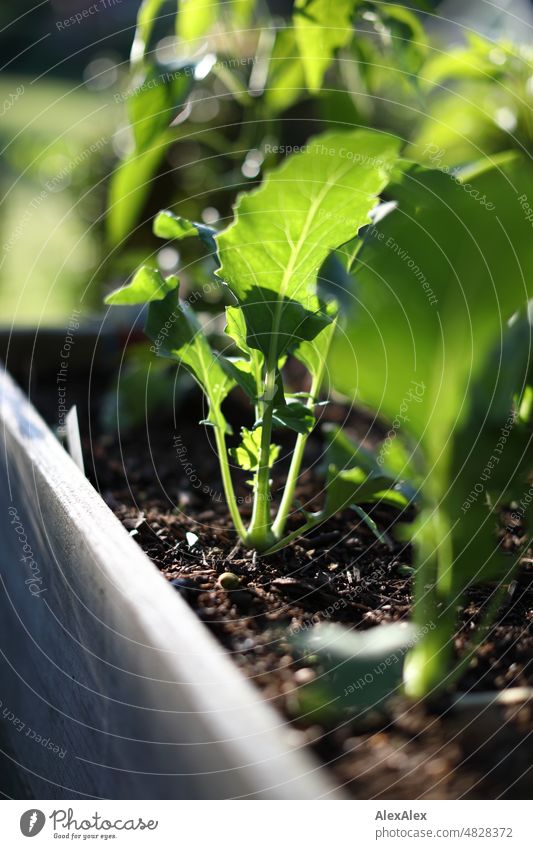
pixel 110 686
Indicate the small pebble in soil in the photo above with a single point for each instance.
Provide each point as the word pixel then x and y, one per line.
pixel 191 538
pixel 304 676
pixel 229 581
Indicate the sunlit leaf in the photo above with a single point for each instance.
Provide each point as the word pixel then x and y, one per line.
pixel 170 226
pixel 147 285
pixel 321 27
pixel 283 231
pixel 247 453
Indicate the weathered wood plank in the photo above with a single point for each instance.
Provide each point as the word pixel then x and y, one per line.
pixel 104 662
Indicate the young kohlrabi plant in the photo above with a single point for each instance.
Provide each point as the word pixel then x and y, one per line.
pixel 269 259
pixel 439 287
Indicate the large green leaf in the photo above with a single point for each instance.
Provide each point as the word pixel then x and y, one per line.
pixel 283 231
pixel 436 285
pixel 436 282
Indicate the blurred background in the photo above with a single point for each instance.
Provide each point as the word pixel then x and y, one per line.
pixel 82 175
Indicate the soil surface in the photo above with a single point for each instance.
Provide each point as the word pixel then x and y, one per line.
pixel 163 484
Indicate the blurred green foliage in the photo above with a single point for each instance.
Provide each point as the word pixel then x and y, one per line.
pixel 211 97
pixel 56 143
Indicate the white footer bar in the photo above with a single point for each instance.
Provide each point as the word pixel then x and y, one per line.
pixel 268 825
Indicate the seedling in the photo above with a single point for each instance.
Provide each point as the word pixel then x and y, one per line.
pixel 469 242
pixel 269 258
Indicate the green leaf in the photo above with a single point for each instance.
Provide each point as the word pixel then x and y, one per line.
pixel 170 226
pixel 146 18
pixel 286 78
pixel 130 186
pixel 354 486
pixel 236 330
pixel 295 416
pixel 437 283
pixel 471 62
pixel 356 474
pixel 276 325
pixel 160 92
pixel 314 354
pixel 176 333
pixel 362 669
pixel 157 98
pixel 435 280
pixel 247 453
pixel 195 18
pixel 242 372
pixel 147 285
pixel 321 27
pixel 283 231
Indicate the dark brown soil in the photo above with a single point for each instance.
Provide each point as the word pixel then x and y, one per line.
pixel 163 484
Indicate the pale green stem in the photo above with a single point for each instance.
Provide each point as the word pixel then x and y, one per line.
pixel 260 532
pixel 294 471
pixel 429 660
pixel 311 523
pixel 227 482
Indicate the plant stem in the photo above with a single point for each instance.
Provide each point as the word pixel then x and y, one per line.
pixel 311 523
pixel 260 531
pixel 294 471
pixel 227 482
pixel 428 662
